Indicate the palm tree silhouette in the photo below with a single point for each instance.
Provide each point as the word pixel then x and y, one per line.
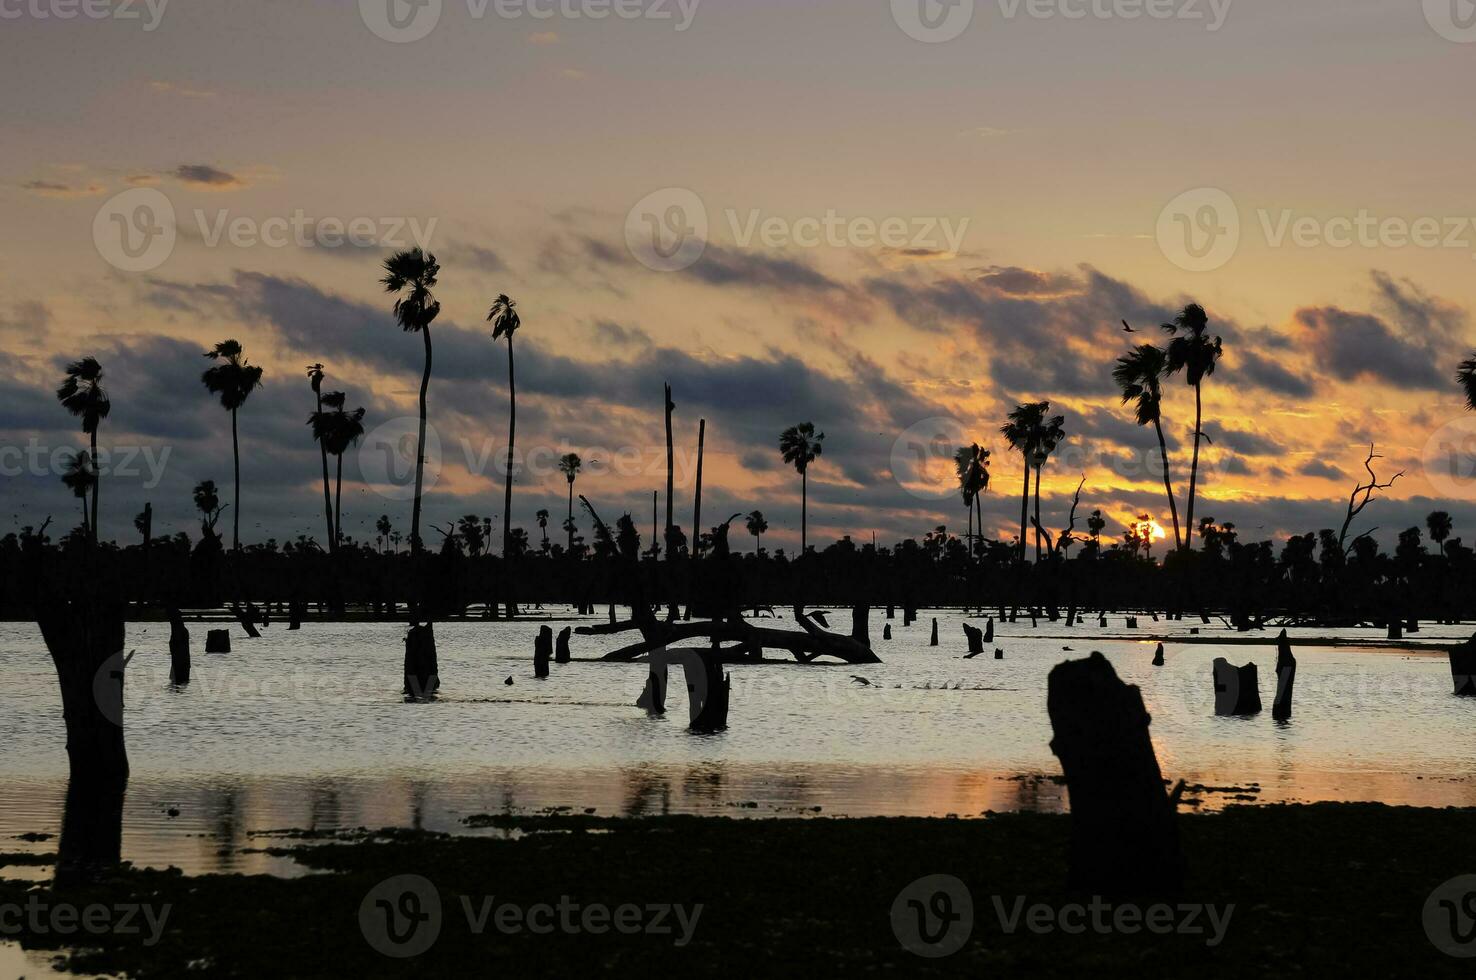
pixel 1022 430
pixel 412 275
pixel 505 322
pixel 757 526
pixel 972 465
pixel 1052 431
pixel 233 380
pixel 1192 351
pixel 1138 373
pixel 207 501
pixel 80 477
pixel 1466 378
pixel 384 527
pixel 570 465
pixel 336 431
pixel 542 518
pixel 315 378
pixel 82 394
pixel 1440 524
pixel 801 446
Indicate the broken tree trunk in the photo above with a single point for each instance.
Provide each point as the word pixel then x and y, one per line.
pixel 561 654
pixel 976 639
pixel 1158 660
pixel 1463 668
pixel 989 630
pixel 1124 841
pixel 861 625
pixel 218 641
pixel 1237 689
pixel 86 645
pixel 934 641
pixel 542 651
pixel 806 647
pixel 179 649
pixel 653 698
pixel 1286 676
pixel 708 688
pixel 247 620
pixel 422 669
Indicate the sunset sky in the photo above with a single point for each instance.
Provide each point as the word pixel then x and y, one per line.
pixel 519 146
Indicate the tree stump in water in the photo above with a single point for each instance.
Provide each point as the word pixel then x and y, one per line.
pixel 934 641
pixel 891 611
pixel 1158 660
pixel 86 646
pixel 1237 689
pixel 1412 625
pixel 1396 630
pixel 976 639
pixel 247 618
pixel 1132 622
pixel 422 669
pixel 542 652
pixel 1124 841
pixel 653 698
pixel 998 654
pixel 708 688
pixel 1286 676
pixel 562 654
pixel 1102 621
pixel 861 625
pixel 989 630
pixel 179 649
pixel 1071 615
pixel 218 641
pixel 1463 668
pixel 887 631
pixel 296 608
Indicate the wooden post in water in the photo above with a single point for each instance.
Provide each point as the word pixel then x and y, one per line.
pixel 1286 676
pixel 562 655
pixel 1124 840
pixel 1237 689
pixel 179 649
pixel 422 668
pixel 542 651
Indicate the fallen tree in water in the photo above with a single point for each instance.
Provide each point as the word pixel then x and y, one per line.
pixel 746 641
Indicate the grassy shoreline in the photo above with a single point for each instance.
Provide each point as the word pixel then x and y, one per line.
pixel 1314 888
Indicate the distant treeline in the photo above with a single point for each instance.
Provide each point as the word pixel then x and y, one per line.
pixel 1310 578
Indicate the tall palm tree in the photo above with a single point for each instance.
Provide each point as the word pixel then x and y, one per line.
pixel 1192 351
pixel 1466 378
pixel 972 465
pixel 233 380
pixel 570 465
pixel 757 526
pixel 505 322
pixel 81 393
pixel 80 477
pixel 412 275
pixel 337 430
pixel 542 518
pixel 1052 431
pixel 1138 373
pixel 385 529
pixel 801 446
pixel 1022 431
pixel 315 378
pixel 1440 525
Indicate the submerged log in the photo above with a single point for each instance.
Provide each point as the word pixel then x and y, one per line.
pixel 750 640
pixel 562 655
pixel 1463 668
pixel 218 641
pixel 86 646
pixel 1286 677
pixel 542 651
pixel 1124 839
pixel 976 639
pixel 179 649
pixel 1158 660
pixel 422 668
pixel 1237 689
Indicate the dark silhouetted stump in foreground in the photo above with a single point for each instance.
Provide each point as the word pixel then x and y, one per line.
pixel 542 652
pixel 218 641
pixel 86 646
pixel 422 669
pixel 1463 668
pixel 1286 677
pixel 976 639
pixel 934 641
pixel 1158 660
pixel 1124 841
pixel 1237 689
pixel 179 649
pixel 561 650
pixel 709 688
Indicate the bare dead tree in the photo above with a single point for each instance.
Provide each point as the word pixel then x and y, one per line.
pixel 1054 545
pixel 1355 505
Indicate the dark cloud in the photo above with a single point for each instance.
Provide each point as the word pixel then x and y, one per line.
pixel 205 176
pixel 1242 441
pixel 26 317
pixel 1316 467
pixel 1264 372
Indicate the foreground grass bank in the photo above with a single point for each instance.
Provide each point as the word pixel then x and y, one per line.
pixel 1313 889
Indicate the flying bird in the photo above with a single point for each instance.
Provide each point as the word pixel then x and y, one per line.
pixel 1127 328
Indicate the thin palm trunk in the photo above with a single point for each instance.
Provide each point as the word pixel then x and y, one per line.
pixel 1194 467
pixel 804 512
pixel 571 517
pixel 327 501
pixel 970 508
pixel 978 518
pixel 420 447
pixel 96 482
pixel 1037 512
pixel 1168 486
pixel 1024 507
pixel 236 456
pixel 338 506
pixel 512 435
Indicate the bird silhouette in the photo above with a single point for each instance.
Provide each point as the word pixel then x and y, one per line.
pixel 1127 328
